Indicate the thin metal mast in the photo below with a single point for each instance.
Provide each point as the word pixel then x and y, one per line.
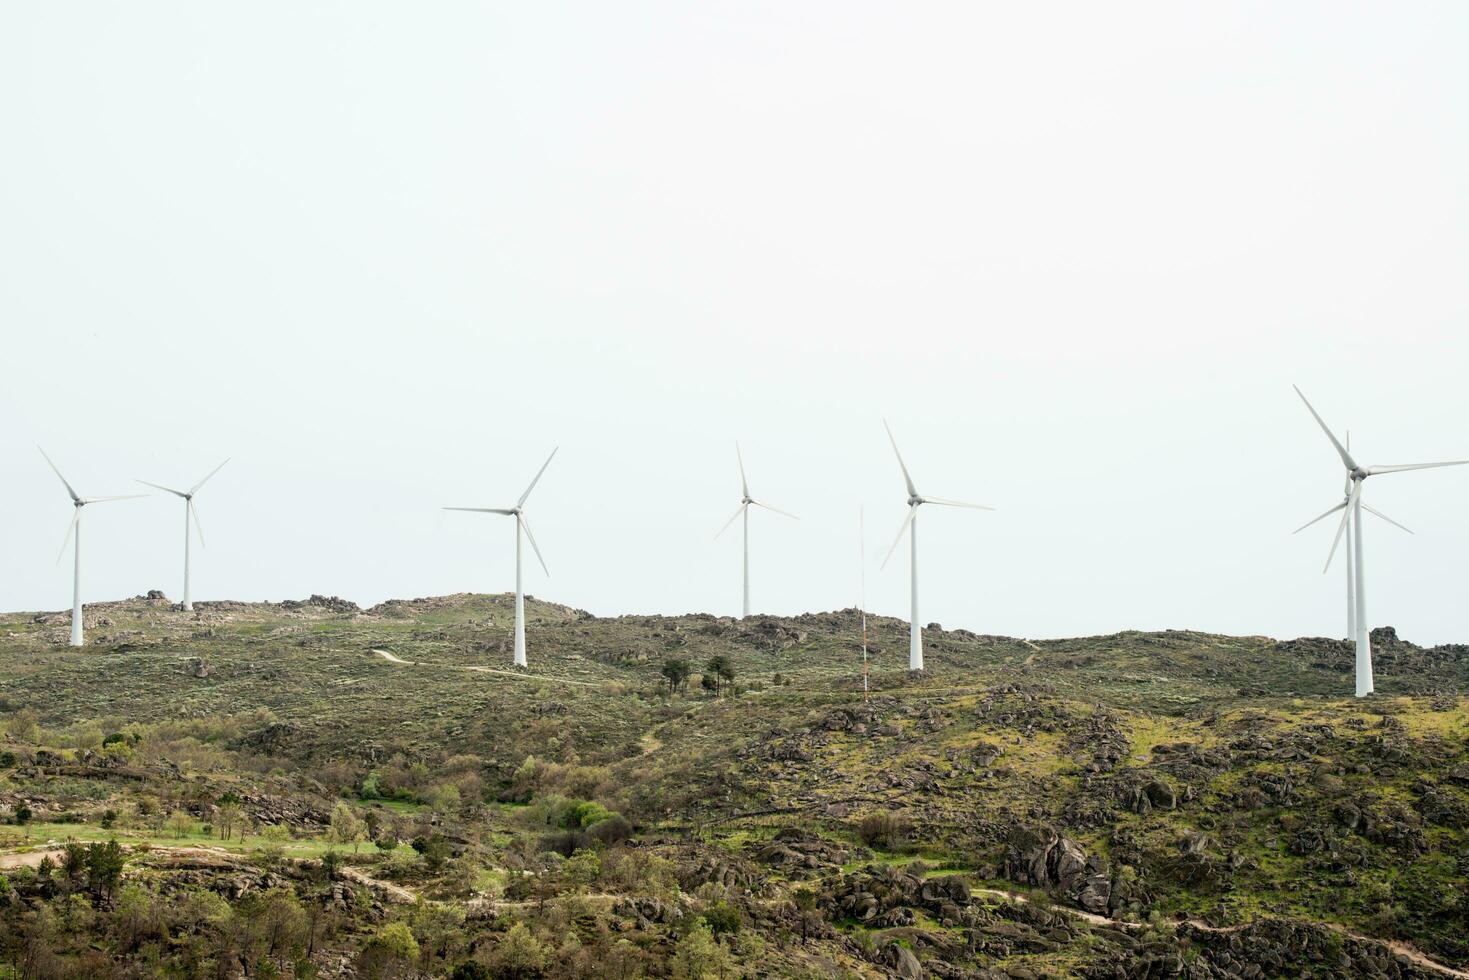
pixel 862 553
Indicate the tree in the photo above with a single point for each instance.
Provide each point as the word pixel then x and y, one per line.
pixel 444 799
pixel 519 954
pixel 436 852
pixel 74 860
pixel 275 927
pixel 24 725
pixel 439 929
pixel 721 667
pixel 391 950
pixel 346 828
pixel 582 869
pixel 104 867
pixel 722 917
pixel 228 819
pixel 698 956
pixel 180 823
pixel 136 917
pixel 676 673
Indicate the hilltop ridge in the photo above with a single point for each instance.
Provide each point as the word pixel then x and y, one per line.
pixel 1081 795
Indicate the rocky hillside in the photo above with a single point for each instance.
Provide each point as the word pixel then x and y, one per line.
pixel 1143 804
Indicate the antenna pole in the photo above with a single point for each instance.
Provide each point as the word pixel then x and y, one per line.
pixel 862 554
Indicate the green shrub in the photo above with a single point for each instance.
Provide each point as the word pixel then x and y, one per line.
pixel 722 917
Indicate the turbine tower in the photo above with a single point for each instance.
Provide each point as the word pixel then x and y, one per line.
pixel 518 512
pixel 75 528
pixel 910 527
pixel 189 511
pixel 746 502
pixel 1351 509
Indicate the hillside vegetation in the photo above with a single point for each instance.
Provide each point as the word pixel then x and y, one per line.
pixel 314 789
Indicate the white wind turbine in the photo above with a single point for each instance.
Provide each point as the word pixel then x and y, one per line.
pixel 746 501
pixel 189 511
pixel 910 527
pixel 1350 539
pixel 75 528
pixel 1352 508
pixel 518 513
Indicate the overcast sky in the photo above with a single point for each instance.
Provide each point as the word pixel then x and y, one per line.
pixel 386 256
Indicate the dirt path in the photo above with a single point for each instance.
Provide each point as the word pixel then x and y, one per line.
pixel 29 859
pixel 1403 949
pixel 396 893
pixel 393 658
pixel 217 857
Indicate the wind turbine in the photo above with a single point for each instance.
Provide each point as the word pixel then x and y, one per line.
pixel 189 511
pixel 1351 509
pixel 746 502
pixel 910 527
pixel 518 512
pixel 75 528
pixel 1350 539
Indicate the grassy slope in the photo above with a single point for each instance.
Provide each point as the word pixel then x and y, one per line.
pixel 706 764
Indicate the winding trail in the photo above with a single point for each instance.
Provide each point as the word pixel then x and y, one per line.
pixel 393 658
pixel 217 857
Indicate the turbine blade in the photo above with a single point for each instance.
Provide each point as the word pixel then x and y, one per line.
pixel 898 540
pixel 69 490
pixel 912 490
pixel 521 501
pixel 126 496
pixel 727 523
pixel 75 516
pixel 483 510
pixel 954 503
pixel 1374 470
pixel 1321 518
pixel 776 510
pixel 1342 527
pixel 534 547
pixel 196 486
pixel 744 483
pixel 1341 450
pixel 1374 510
pixel 155 486
pixel 194 512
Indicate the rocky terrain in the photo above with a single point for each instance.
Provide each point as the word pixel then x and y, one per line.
pixel 377 793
